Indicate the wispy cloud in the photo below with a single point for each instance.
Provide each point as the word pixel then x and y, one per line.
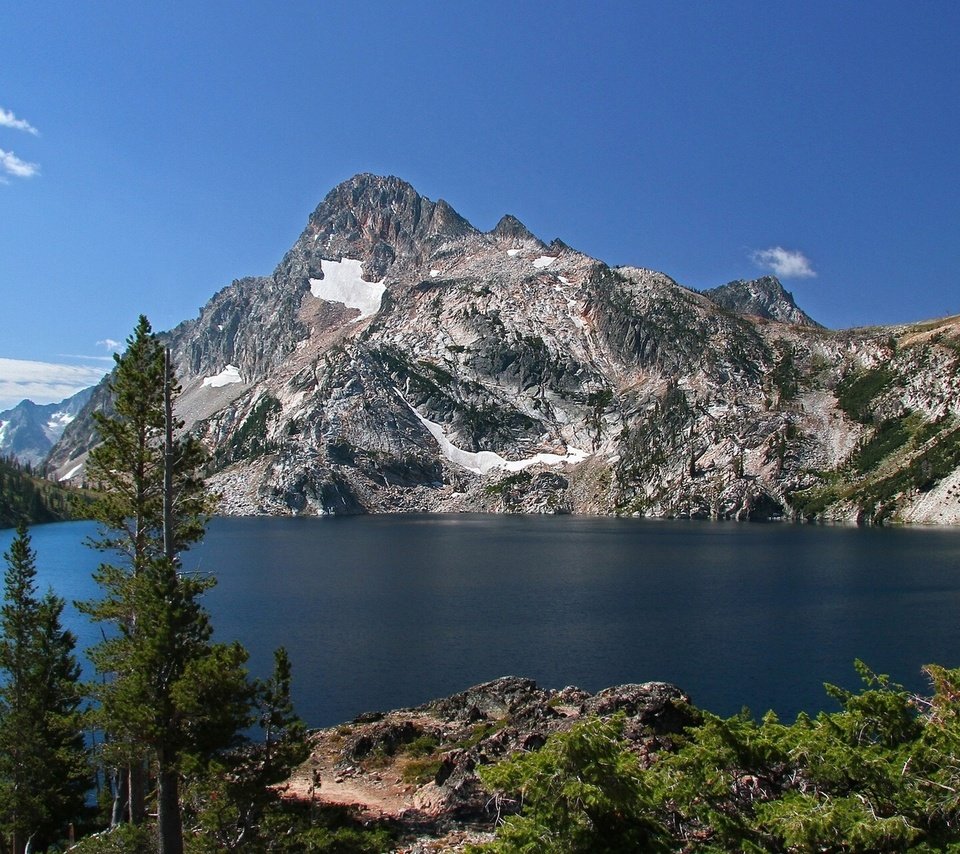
pixel 9 120
pixel 13 165
pixel 43 382
pixel 109 344
pixel 785 263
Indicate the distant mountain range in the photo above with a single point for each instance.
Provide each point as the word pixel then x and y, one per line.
pixel 30 430
pixel 399 359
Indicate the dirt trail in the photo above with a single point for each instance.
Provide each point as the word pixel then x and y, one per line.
pixel 378 794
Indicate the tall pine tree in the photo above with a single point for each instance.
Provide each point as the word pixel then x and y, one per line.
pixel 168 693
pixel 44 774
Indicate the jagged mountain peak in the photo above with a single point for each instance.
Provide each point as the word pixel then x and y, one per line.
pixel 374 219
pixel 511 229
pixel 383 208
pixel 763 297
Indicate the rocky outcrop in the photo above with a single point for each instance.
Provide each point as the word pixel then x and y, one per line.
pixel 764 297
pixel 400 359
pixel 417 768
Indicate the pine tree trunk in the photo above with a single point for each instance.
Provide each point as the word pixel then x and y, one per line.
pixel 168 547
pixel 168 812
pixel 120 797
pixel 17 843
pixel 137 789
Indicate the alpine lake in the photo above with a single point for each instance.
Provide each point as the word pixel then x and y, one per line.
pixel 382 612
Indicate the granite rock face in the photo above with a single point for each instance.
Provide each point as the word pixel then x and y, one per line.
pixel 400 359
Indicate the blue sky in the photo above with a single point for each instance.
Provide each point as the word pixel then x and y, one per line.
pixel 151 153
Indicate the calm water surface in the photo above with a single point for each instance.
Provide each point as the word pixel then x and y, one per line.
pixel 387 611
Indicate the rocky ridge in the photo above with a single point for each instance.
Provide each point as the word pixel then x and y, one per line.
pixel 417 768
pixel 764 297
pixel 399 359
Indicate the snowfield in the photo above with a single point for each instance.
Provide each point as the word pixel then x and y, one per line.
pixel 343 282
pixel 484 462
pixel 74 471
pixel 229 375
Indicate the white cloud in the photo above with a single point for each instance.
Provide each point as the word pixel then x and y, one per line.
pixel 86 357
pixel 786 263
pixel 109 344
pixel 13 165
pixel 43 382
pixel 9 120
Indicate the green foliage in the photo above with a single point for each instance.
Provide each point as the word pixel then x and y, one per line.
pixel 250 438
pixel 600 399
pixel 122 839
pixel 480 731
pixel 785 375
pixel 167 695
pixel 421 762
pixel 423 745
pixel 232 796
pixel 517 480
pixel 889 436
pixel 44 775
pixel 420 771
pixel 422 378
pixel 902 456
pixel 879 775
pixel 304 829
pixel 648 446
pixel 583 792
pixel 169 688
pixel 126 468
pixel 856 392
pixel 26 496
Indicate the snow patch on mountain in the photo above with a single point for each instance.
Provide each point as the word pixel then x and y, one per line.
pixel 229 375
pixel 543 261
pixel 56 424
pixel 484 462
pixel 73 472
pixel 343 282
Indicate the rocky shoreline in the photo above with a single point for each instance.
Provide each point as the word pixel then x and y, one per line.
pixel 415 769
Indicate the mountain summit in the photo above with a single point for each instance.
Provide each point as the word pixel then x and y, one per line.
pixel 764 297
pixel 399 359
pixel 379 219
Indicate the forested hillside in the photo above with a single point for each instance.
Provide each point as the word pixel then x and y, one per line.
pixel 24 495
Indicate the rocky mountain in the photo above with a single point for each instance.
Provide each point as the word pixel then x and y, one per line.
pixel 764 297
pixel 399 359
pixel 30 430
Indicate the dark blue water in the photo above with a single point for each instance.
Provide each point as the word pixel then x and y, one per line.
pixel 387 611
